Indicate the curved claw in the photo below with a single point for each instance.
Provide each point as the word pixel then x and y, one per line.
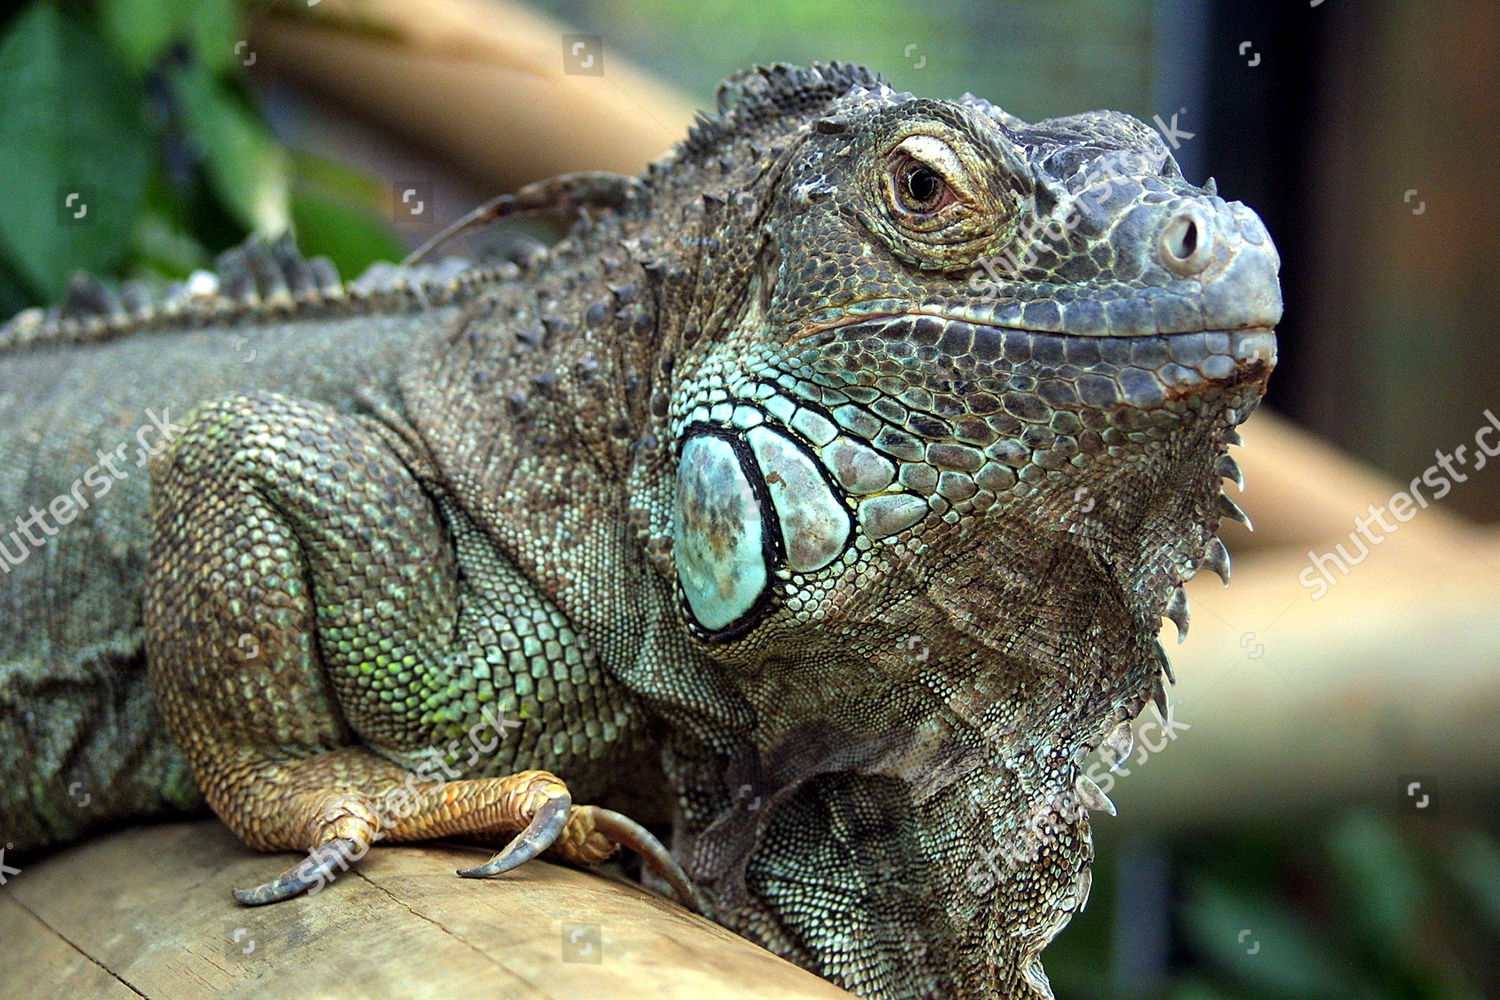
pixel 307 874
pixel 626 832
pixel 543 830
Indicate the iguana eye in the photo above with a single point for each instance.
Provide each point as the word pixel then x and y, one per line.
pixel 939 196
pixel 918 188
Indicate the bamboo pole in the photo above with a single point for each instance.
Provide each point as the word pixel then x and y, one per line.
pixel 481 83
pixel 1295 703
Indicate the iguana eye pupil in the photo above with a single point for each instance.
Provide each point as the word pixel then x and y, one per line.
pixel 923 185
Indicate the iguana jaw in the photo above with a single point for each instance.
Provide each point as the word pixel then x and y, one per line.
pixel 1040 607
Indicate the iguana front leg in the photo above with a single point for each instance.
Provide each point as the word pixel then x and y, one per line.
pixel 343 822
pixel 319 633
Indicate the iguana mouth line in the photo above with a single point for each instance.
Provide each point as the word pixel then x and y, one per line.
pixel 1184 363
pixel 812 328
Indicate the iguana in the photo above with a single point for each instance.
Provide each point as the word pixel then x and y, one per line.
pixel 818 496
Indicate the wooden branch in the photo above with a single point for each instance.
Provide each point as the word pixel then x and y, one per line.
pixel 1299 696
pixel 146 913
pixel 480 83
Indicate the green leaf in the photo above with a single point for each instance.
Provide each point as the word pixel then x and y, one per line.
pixel 351 237
pixel 1379 875
pixel 1197 989
pixel 218 36
pixel 73 150
pixel 163 249
pixel 246 167
pixel 141 30
pixel 1263 946
pixel 1474 862
pixel 335 178
pixel 13 295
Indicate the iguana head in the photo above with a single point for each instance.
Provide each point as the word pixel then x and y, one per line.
pixel 950 398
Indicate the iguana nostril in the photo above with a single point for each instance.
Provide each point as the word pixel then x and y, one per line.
pixel 1185 243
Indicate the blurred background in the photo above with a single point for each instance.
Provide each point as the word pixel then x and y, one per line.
pixel 1321 823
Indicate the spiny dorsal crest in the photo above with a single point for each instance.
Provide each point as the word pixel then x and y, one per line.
pixel 750 99
pixel 256 281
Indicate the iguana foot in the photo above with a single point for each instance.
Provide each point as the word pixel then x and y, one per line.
pixel 584 835
pixel 343 826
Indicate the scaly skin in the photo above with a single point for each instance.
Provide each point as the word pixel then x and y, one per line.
pixel 809 467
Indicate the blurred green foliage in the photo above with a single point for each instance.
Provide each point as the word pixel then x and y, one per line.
pixel 130 146
pixel 1355 905
pixel 997 50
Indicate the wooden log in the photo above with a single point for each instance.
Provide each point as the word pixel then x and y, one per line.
pixel 1295 704
pixel 480 83
pixel 146 913
pixel 1303 687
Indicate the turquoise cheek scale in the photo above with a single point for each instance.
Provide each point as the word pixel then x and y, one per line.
pixel 814 523
pixel 718 533
pixel 755 502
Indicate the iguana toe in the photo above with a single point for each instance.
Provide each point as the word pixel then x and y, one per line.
pixel 315 870
pixel 547 823
pixel 584 835
pixel 626 832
